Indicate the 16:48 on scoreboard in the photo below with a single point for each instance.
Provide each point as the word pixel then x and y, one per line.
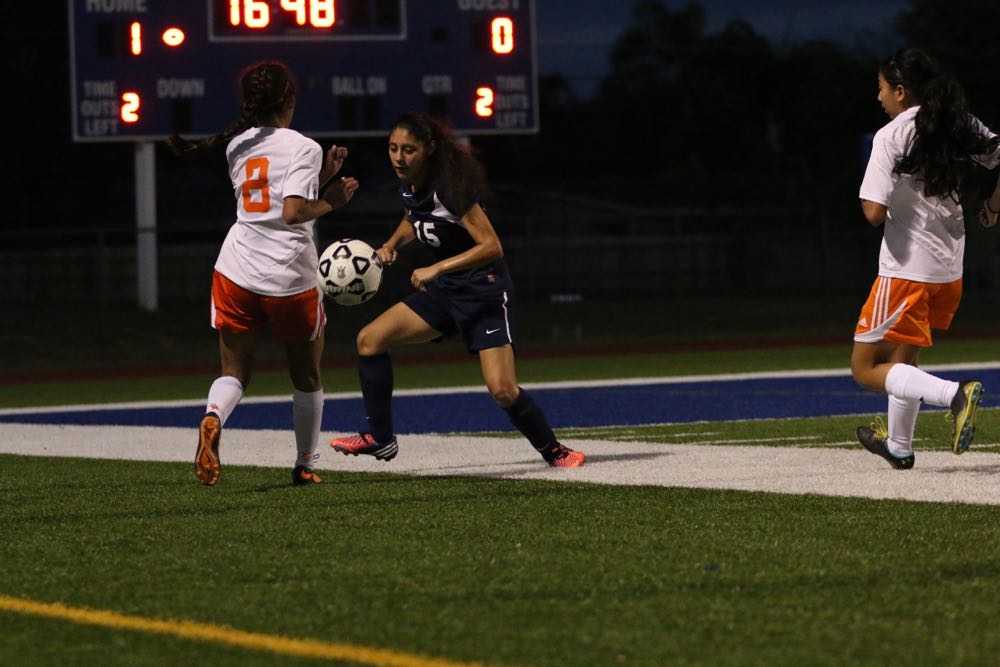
pixel 142 69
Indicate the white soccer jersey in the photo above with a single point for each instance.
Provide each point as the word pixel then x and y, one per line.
pixel 924 237
pixel 262 253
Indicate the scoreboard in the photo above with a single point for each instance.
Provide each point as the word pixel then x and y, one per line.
pixel 143 69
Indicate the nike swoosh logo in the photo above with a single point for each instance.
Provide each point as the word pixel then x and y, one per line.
pixel 492 331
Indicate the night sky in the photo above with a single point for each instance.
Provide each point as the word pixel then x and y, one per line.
pixel 574 38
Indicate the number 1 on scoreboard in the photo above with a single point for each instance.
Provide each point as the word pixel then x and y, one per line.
pixel 255 13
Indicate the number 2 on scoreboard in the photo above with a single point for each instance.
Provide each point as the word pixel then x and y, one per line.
pixel 256 174
pixel 484 102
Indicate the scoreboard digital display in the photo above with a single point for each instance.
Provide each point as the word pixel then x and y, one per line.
pixel 143 69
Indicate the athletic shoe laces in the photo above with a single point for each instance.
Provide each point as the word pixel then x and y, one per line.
pixel 879 429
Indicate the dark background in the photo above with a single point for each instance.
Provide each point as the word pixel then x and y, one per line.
pixel 685 157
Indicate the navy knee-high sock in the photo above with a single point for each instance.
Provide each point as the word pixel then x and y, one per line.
pixel 529 419
pixel 375 373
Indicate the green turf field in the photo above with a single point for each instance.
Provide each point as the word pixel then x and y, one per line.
pixel 456 570
pixel 493 571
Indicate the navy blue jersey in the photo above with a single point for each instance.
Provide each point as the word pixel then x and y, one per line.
pixel 438 227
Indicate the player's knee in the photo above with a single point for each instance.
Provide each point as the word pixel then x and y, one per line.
pixel 862 374
pixel 504 393
pixel 308 380
pixel 242 376
pixel 368 343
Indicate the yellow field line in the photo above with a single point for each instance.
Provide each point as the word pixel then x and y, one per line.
pixel 307 648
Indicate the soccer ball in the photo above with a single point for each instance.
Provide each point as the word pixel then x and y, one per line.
pixel 349 272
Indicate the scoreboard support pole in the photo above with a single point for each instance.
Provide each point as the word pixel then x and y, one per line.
pixel 145 225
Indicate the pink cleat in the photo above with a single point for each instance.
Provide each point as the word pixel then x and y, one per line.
pixel 561 456
pixel 365 443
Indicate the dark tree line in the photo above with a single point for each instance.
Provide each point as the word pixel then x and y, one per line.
pixel 691 117
pixel 684 117
pixel 965 36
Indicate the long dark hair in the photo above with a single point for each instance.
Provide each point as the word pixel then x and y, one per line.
pixel 946 138
pixel 452 169
pixel 266 88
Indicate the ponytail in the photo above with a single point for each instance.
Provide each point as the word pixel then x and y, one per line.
pixel 184 148
pixel 946 138
pixel 266 89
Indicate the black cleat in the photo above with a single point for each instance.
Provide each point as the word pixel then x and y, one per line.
pixel 873 438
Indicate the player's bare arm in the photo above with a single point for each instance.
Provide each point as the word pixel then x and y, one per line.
pixel 874 212
pixel 334 161
pixel 297 210
pixel 404 234
pixel 486 250
pixel 991 207
pixel 339 192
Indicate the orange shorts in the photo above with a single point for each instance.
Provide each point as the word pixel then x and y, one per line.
pixel 904 311
pixel 295 318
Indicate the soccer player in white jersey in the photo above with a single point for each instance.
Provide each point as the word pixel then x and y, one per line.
pixel 920 162
pixel 266 269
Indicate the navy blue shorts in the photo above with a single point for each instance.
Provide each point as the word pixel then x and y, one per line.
pixel 484 320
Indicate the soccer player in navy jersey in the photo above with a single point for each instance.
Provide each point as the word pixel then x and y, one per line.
pixel 466 291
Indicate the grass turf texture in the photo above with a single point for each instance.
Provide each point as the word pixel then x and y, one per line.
pixel 506 572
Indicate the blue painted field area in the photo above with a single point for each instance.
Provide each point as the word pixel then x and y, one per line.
pixel 713 400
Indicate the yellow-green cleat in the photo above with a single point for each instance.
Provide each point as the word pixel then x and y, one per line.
pixel 963 414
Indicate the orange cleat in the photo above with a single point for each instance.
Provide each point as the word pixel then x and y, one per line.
pixel 304 475
pixel 206 460
pixel 561 456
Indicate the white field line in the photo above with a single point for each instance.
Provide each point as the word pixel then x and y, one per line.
pixel 603 432
pixel 475 389
pixel 656 437
pixel 938 476
pixel 790 438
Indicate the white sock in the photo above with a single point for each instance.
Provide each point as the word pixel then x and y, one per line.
pixel 905 381
pixel 307 416
pixel 902 422
pixel 223 396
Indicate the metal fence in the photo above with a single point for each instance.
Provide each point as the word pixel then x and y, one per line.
pixel 614 254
